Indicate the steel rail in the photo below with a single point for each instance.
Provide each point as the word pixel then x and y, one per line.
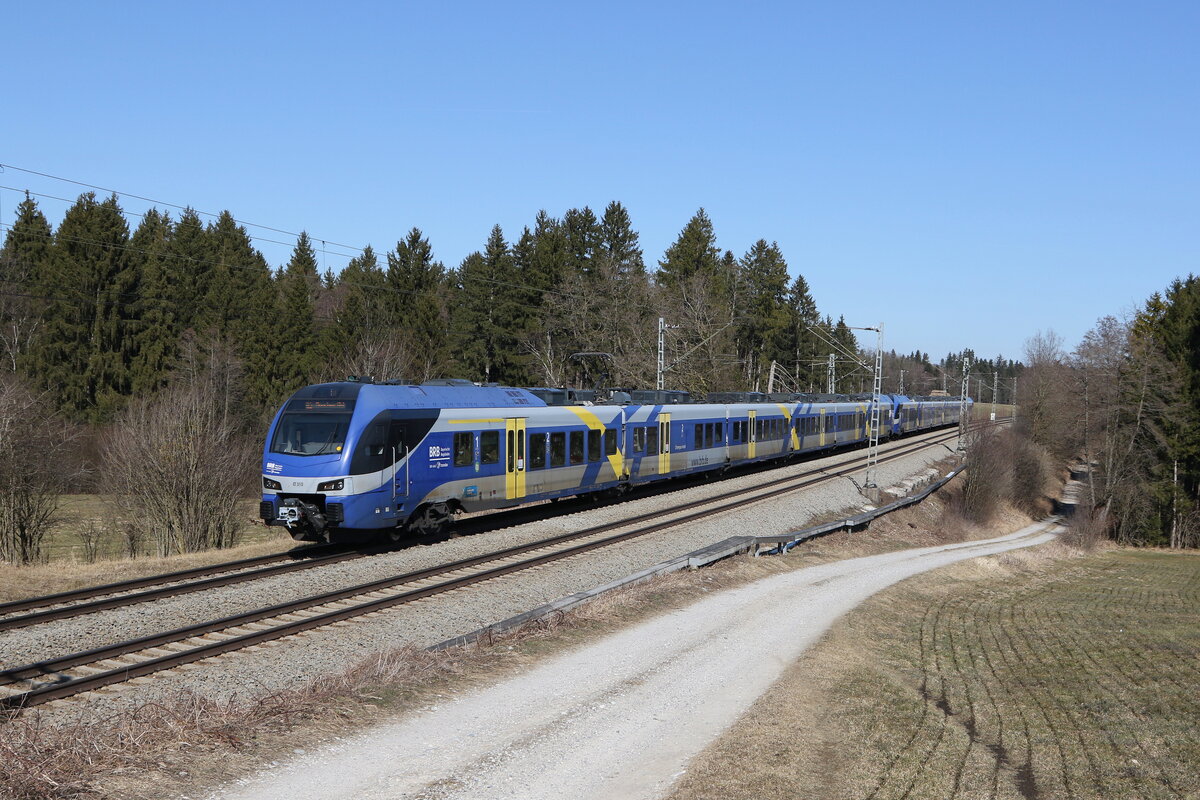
pixel 119 600
pixel 89 592
pixel 71 686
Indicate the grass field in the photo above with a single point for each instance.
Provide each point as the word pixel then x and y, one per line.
pixel 64 543
pixel 67 566
pixel 984 411
pixel 1019 676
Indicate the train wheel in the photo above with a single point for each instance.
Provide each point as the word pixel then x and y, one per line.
pixel 430 520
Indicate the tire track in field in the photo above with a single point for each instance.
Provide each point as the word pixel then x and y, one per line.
pixel 1100 681
pixel 1134 648
pixel 1070 614
pixel 919 727
pixel 962 608
pixel 1015 665
pixel 1026 776
pixel 1070 725
pixel 941 719
pixel 1117 652
pixel 1092 687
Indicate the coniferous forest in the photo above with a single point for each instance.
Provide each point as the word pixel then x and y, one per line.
pixel 97 310
pixel 106 311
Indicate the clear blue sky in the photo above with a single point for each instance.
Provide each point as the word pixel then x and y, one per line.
pixel 966 173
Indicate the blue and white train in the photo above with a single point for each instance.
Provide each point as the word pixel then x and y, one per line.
pixel 358 455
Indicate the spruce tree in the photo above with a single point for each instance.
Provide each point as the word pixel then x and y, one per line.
pixel 24 261
pixel 188 262
pixel 488 313
pixel 415 283
pixel 582 234
pixel 242 307
pixel 847 382
pixel 694 252
pixel 549 260
pixel 155 331
pixel 804 344
pixel 83 356
pixel 298 287
pixel 764 321
pixel 619 241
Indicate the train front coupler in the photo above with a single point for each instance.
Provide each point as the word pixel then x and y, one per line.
pixel 303 520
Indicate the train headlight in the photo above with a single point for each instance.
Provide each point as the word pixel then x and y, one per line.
pixel 270 484
pixel 331 486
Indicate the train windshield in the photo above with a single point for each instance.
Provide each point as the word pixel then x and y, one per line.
pixel 306 434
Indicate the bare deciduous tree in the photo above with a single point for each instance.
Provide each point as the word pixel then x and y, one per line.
pixel 176 465
pixel 384 354
pixel 1048 406
pixel 608 312
pixel 37 464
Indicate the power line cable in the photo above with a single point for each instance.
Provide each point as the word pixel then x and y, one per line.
pixel 160 202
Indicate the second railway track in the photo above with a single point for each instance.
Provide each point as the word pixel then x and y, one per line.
pixel 55 678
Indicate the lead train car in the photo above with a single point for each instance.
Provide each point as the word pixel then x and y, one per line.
pixel 401 458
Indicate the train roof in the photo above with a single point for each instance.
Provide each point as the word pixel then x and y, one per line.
pixel 346 394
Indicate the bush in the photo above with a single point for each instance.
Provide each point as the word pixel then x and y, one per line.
pixel 176 465
pixel 37 464
pixel 1003 466
pixel 988 479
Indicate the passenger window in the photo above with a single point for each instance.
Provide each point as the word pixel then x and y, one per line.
pixel 576 447
pixel 651 441
pixel 489 447
pixel 720 434
pixel 464 449
pixel 699 436
pixel 708 435
pixel 537 450
pixel 558 449
pixel 593 445
pixel 639 440
pixel 610 442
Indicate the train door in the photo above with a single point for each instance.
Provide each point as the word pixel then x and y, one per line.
pixel 514 458
pixel 751 435
pixel 664 443
pixel 401 479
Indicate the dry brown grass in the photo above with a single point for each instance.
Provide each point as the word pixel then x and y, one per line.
pixel 17 582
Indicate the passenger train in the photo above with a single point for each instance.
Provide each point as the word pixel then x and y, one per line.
pixel 404 458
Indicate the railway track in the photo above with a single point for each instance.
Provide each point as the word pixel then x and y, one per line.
pixel 88 600
pixel 56 678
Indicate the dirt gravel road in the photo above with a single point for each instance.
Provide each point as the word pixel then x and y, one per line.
pixel 619 718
